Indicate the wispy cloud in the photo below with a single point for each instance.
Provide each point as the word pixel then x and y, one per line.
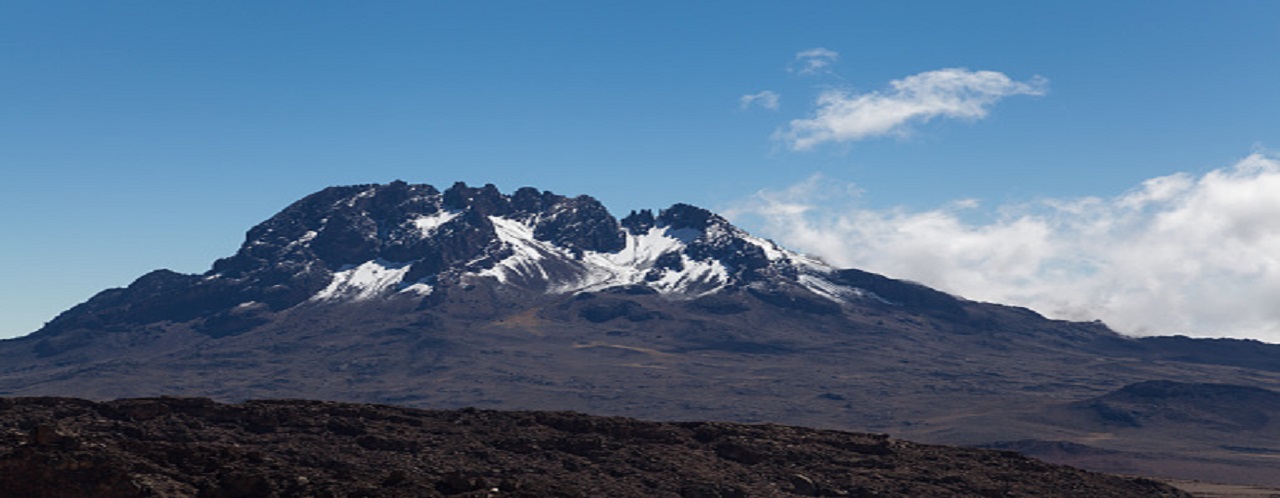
pixel 1179 254
pixel 766 99
pixel 844 116
pixel 813 60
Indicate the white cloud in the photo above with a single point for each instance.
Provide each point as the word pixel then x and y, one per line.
pixel 766 99
pixel 1179 254
pixel 813 60
pixel 844 116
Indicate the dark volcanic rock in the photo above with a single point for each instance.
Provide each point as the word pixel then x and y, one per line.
pixel 59 447
pixel 580 223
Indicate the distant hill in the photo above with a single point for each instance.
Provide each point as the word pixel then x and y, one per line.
pixel 1213 432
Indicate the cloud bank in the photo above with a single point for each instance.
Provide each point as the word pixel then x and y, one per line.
pixel 1178 254
pixel 844 116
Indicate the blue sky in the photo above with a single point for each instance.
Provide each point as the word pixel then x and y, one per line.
pixel 152 134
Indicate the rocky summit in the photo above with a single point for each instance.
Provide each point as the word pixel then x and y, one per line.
pixel 470 297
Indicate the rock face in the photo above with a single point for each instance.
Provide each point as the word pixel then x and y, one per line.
pixel 406 294
pixel 56 447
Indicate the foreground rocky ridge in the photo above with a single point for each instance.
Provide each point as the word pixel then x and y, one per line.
pixel 53 447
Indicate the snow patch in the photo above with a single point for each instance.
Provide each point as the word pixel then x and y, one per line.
pixel 303 240
pixel 535 262
pixel 771 250
pixel 776 253
pixel 642 250
pixel 697 278
pixel 566 272
pixel 369 192
pixel 527 252
pixel 419 288
pixel 629 265
pixel 428 225
pixel 363 282
pixel 830 290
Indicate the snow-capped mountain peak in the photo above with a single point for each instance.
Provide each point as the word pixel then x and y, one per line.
pixel 379 240
pixel 368 242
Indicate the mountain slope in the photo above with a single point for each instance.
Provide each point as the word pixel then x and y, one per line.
pixel 406 294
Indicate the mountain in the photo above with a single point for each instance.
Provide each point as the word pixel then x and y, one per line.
pixel 409 295
pixel 400 241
